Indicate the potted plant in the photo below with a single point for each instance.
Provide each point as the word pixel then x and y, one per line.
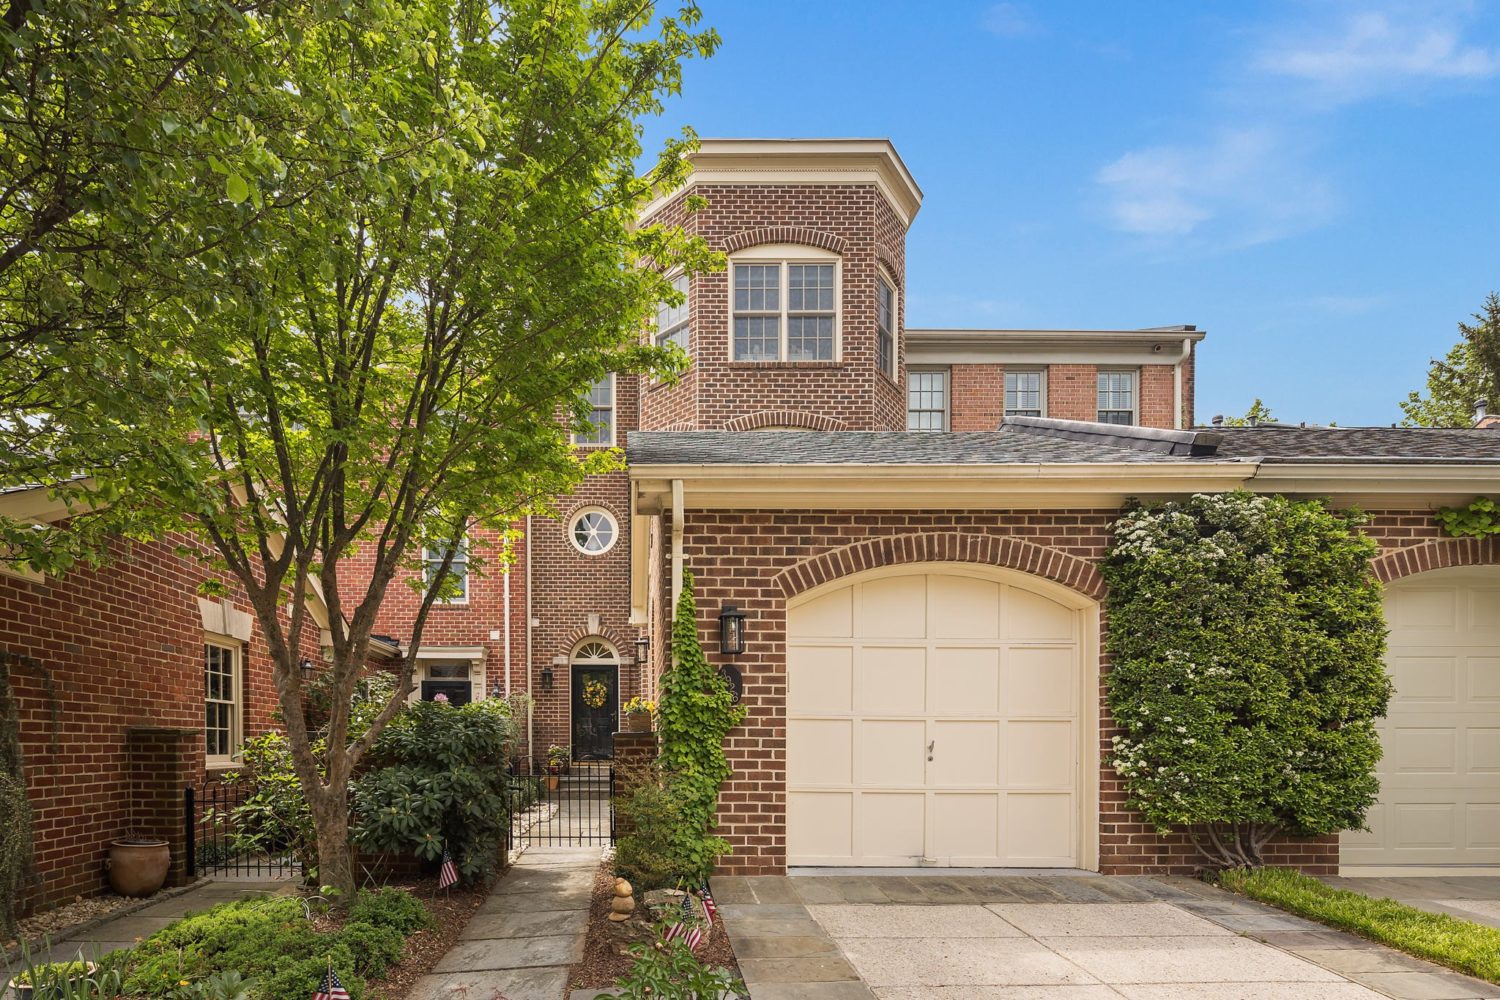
pixel 137 865
pixel 52 980
pixel 557 764
pixel 638 715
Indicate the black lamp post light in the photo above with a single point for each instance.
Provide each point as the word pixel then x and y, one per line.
pixel 731 630
pixel 547 677
pixel 642 648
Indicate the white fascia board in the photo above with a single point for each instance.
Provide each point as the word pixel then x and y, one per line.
pixel 474 654
pixel 1418 486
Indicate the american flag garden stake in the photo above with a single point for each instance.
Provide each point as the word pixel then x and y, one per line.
pixel 448 875
pixel 331 988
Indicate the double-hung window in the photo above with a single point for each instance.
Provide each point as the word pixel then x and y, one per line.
pixel 784 311
pixel 456 588
pixel 885 326
pixel 222 699
pixel 1117 397
pixel 672 321
pixel 926 400
pixel 1025 393
pixel 601 400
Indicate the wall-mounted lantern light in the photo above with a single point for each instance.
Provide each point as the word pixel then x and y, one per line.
pixel 306 666
pixel 642 648
pixel 731 630
pixel 547 677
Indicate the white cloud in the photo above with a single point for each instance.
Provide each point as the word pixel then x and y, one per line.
pixel 1009 20
pixel 1235 188
pixel 1374 51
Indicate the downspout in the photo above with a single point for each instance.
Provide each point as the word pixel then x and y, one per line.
pixel 530 695
pixel 507 633
pixel 677 504
pixel 1177 392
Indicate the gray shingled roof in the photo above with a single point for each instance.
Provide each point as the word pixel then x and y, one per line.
pixel 1398 445
pixel 868 448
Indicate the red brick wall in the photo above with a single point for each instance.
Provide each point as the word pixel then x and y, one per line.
pixel 977 397
pixel 978 394
pixel 124 647
pixel 737 556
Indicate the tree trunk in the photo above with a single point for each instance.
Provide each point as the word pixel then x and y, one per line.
pixel 330 810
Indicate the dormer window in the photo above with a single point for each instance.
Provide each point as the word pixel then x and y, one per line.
pixel 784 309
pixel 885 326
pixel 672 321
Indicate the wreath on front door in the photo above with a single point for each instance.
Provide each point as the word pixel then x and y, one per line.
pixel 595 694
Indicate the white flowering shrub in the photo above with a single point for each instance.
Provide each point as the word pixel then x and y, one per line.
pixel 1246 638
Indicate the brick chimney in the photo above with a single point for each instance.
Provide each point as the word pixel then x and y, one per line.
pixel 1484 419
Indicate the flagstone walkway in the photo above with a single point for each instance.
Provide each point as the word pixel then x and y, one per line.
pixel 522 941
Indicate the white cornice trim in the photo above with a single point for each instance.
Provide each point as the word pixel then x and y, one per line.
pixel 1369 484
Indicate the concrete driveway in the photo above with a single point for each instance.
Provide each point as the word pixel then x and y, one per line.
pixel 996 937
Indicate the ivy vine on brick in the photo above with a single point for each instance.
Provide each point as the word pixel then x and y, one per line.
pixel 696 713
pixel 1478 519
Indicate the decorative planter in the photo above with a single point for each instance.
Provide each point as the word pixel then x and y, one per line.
pixel 26 991
pixel 638 722
pixel 552 782
pixel 138 866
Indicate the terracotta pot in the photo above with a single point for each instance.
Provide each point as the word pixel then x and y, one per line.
pixel 138 867
pixel 552 782
pixel 638 722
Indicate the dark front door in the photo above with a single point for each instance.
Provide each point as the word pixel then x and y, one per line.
pixel 596 710
pixel 458 692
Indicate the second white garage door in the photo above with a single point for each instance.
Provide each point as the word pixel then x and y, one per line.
pixel 933 717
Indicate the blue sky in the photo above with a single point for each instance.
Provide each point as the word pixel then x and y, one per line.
pixel 1315 184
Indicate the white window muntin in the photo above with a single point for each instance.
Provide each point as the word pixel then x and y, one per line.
pixel 788 297
pixel 458 570
pixel 601 399
pixel 885 325
pixel 1026 393
pixel 223 699
pixel 593 530
pixel 672 321
pixel 1118 395
pixel 927 399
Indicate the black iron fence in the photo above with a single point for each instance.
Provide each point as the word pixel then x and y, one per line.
pixel 571 805
pixel 223 844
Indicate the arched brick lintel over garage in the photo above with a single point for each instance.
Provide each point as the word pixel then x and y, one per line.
pixel 935 547
pixel 1443 553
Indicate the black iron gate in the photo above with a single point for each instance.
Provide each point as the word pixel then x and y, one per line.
pixel 222 841
pixel 572 805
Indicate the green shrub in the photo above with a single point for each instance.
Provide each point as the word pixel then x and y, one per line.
pixel 393 908
pixel 439 778
pixel 697 711
pixel 274 817
pixel 1246 639
pixel 650 814
pixel 672 970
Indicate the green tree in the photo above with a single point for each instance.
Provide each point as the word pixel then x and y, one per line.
pixel 1246 639
pixel 697 711
pixel 1259 413
pixel 436 253
pixel 1469 374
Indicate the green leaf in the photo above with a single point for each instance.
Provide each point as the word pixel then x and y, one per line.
pixel 235 188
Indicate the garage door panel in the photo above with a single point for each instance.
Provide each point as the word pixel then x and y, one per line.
pixel 892 753
pixel 892 826
pixel 1484 610
pixel 1039 681
pixel 820 680
pixel 1425 824
pixel 1483 826
pixel 894 609
pixel 963 608
pixel 1423 609
pixel 1423 680
pixel 1037 754
pixel 820 826
pixel 1037 825
pixel 820 752
pixel 963 680
pixel 1423 750
pixel 1030 617
pixel 965 753
pixel 1484 678
pixel 830 616
pixel 965 827
pixel 1484 750
pixel 891 680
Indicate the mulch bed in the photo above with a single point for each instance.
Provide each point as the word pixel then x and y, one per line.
pixel 451 910
pixel 601 966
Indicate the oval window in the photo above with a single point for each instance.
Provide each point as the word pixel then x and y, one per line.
pixel 593 531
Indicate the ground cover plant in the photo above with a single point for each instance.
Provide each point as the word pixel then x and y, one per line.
pixel 1462 945
pixel 1246 640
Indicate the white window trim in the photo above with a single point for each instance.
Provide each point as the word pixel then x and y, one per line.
pixel 431 556
pixel 236 705
pixel 473 654
pixel 947 374
pixel 578 513
pixel 686 326
pixel 883 276
pixel 1135 392
pixel 614 418
pixel 1040 370
pixel 786 254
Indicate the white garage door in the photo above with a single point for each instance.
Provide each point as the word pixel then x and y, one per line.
pixel 933 718
pixel 1440 778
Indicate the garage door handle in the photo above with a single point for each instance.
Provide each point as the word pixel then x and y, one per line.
pixel 929 749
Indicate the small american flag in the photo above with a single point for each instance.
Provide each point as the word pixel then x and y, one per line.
pixel 448 875
pixel 709 907
pixel 684 926
pixel 331 988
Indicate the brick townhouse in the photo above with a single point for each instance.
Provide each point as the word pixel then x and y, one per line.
pixel 909 521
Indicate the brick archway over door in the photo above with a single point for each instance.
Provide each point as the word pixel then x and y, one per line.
pixel 987 550
pixel 1444 553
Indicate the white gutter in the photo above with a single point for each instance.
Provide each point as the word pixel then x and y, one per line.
pixel 1187 349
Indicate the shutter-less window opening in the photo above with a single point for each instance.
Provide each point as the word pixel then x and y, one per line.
pixel 926 400
pixel 1117 397
pixel 672 321
pixel 457 589
pixel 222 700
pixel 601 400
pixel 885 326
pixel 1024 394
pixel 786 311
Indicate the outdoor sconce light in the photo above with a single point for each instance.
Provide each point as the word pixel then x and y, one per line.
pixel 306 666
pixel 642 648
pixel 731 630
pixel 547 677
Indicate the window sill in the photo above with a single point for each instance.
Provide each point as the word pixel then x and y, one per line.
pixel 222 766
pixel 787 364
